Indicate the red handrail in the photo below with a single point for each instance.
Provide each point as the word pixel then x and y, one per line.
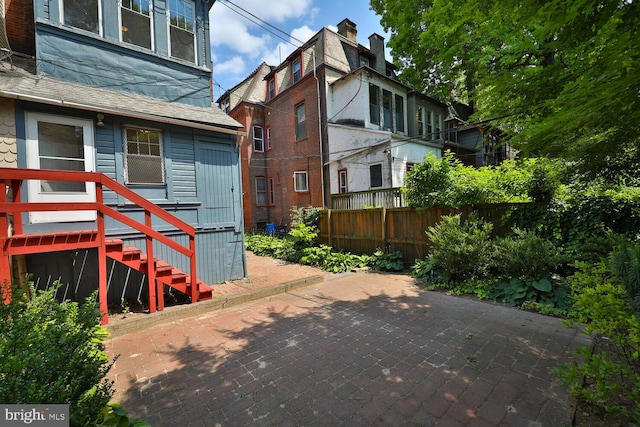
pixel 13 178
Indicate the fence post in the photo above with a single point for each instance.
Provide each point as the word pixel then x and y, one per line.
pixel 384 229
pixel 329 240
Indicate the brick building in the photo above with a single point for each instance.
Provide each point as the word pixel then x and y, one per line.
pixel 333 118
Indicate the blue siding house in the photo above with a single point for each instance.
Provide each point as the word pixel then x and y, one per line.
pixel 120 90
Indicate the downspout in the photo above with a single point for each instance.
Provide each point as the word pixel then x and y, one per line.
pixel 324 202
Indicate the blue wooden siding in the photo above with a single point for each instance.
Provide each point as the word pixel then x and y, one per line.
pixel 183 168
pixel 134 71
pixel 217 183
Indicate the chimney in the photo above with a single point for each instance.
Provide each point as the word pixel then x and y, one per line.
pixel 347 28
pixel 376 46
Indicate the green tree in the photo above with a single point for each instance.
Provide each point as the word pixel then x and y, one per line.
pixel 446 182
pixel 561 77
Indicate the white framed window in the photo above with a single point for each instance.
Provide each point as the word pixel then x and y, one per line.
pixel 60 143
pixel 300 181
pixel 420 121
pixel 258 139
pixel 387 120
pixel 342 181
pixel 261 190
pixel 374 104
pixel 182 33
pixel 136 22
pixel 83 14
pixel 143 161
pixel 375 175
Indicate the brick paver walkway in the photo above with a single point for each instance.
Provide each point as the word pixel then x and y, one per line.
pixel 361 349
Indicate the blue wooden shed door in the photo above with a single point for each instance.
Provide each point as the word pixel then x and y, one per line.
pixel 217 185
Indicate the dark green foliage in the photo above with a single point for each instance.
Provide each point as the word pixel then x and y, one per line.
pixel 423 269
pixel 557 83
pixel 625 263
pixel 52 352
pixel 446 182
pixel 461 250
pixel 525 255
pixel 545 292
pixel 387 261
pixel 583 220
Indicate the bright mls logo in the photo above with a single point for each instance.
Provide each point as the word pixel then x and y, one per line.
pixel 38 415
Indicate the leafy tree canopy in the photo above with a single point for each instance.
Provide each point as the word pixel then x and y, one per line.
pixel 446 182
pixel 560 77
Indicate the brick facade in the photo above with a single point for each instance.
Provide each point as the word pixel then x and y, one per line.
pixel 20 26
pixel 288 155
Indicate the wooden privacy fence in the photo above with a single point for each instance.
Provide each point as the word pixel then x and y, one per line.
pixel 363 231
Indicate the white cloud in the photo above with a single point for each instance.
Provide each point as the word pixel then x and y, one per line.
pixel 282 50
pixel 233 66
pixel 238 39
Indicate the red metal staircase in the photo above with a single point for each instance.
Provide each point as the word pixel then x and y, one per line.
pixel 165 273
pixel 158 273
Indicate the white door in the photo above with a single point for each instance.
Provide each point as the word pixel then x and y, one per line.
pixel 57 142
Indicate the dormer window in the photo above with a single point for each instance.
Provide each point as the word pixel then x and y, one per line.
pixel 364 62
pixel 296 70
pixel 272 88
pixel 135 18
pixel 83 14
pixel 182 29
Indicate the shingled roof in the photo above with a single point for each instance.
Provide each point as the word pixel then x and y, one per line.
pixel 17 83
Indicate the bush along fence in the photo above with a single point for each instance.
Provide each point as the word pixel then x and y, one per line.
pixel 363 231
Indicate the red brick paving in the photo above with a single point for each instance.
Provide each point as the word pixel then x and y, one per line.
pixel 357 349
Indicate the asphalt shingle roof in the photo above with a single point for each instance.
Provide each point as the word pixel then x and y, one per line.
pixel 20 84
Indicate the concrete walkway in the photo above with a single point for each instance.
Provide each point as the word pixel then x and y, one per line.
pixel 359 349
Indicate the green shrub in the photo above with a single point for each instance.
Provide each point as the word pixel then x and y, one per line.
pixel 52 352
pixel 387 261
pixel 609 379
pixel 316 255
pixel 303 235
pixel 461 251
pixel 525 255
pixel 515 292
pixel 308 216
pixel 340 262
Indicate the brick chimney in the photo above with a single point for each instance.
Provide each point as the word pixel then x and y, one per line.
pixel 376 46
pixel 347 28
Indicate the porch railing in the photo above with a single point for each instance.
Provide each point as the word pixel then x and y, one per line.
pixel 13 178
pixel 383 198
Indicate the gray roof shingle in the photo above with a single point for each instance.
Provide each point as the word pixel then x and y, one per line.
pixel 20 84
